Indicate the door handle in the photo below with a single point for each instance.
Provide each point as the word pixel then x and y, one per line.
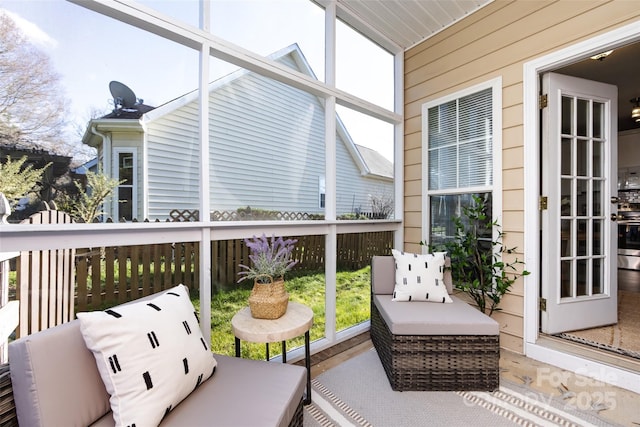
pixel 614 217
pixel 615 199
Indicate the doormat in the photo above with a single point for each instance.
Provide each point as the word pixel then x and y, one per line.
pixel 622 338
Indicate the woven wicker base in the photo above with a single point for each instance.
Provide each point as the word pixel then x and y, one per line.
pixel 8 415
pixel 298 416
pixel 436 362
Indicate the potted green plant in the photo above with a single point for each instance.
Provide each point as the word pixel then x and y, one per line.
pixel 270 260
pixel 478 267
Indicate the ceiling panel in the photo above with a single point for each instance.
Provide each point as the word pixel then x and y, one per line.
pixel 408 22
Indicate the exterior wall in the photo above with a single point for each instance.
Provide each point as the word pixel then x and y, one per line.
pixel 267 152
pixel 173 162
pixel 495 41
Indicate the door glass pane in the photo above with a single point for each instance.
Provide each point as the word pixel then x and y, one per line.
pixel 582 118
pixel 567 114
pixel 566 274
pixel 598 120
pixel 598 158
pixel 566 248
pixel 566 205
pixel 598 277
pixel 598 198
pixel 582 275
pixel 582 154
pixel 582 197
pixel 125 203
pixel 583 240
pixel 598 242
pixel 566 157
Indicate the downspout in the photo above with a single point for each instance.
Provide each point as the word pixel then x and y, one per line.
pixel 106 149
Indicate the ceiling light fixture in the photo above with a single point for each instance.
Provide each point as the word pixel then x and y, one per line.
pixel 635 113
pixel 601 56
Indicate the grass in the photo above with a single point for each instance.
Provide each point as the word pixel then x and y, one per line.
pixel 352 307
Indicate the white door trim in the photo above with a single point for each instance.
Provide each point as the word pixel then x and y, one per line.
pixel 531 89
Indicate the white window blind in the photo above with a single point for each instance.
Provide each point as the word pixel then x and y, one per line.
pixel 460 142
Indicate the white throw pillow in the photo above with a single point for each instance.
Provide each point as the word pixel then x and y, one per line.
pixel 420 277
pixel 150 354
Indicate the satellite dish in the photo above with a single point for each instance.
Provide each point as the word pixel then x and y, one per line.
pixel 122 95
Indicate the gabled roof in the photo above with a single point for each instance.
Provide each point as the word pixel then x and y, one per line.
pixel 376 168
pixel 377 163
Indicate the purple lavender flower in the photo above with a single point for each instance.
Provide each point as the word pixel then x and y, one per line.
pixel 272 257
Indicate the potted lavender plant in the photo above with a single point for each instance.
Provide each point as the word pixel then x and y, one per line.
pixel 270 260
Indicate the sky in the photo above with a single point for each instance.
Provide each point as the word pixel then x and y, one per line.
pixel 89 50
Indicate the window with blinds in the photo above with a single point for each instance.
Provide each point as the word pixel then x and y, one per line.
pixel 460 142
pixel 461 157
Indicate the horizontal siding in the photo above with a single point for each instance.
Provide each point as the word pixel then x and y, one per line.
pixel 267 152
pixel 495 41
pixel 174 162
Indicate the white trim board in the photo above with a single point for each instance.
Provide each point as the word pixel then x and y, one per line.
pixel 531 89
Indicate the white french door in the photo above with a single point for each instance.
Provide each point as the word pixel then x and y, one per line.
pixel 579 178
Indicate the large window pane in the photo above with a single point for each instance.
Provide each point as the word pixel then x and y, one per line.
pixel 460 142
pixel 364 167
pixel 445 207
pixel 267 147
pixel 305 284
pixel 353 283
pixel 267 27
pixel 363 68
pixel 105 119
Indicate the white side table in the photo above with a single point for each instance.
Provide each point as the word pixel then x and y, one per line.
pixel 296 321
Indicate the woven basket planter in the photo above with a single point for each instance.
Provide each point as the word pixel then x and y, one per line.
pixel 268 300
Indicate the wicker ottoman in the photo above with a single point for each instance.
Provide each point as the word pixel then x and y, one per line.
pixel 436 362
pixel 431 346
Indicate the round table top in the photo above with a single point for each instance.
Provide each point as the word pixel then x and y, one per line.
pixel 295 322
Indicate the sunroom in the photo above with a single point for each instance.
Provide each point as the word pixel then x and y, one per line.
pixel 397 78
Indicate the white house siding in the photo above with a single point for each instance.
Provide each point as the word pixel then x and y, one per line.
pixel 353 189
pixel 495 41
pixel 173 162
pixel 267 144
pixel 267 152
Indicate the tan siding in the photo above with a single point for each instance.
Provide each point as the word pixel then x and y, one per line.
pixel 513 220
pixel 512 137
pixel 512 179
pixel 497 41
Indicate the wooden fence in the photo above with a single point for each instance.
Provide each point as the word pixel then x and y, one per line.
pixel 107 276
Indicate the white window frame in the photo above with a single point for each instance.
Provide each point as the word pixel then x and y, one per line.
pixel 208 44
pixel 496 187
pixel 134 185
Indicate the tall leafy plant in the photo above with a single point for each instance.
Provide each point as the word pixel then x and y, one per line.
pixel 478 267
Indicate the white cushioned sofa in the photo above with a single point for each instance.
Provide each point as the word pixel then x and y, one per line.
pixel 430 345
pixel 56 382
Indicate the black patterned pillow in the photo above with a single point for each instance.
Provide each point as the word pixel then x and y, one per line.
pixel 150 354
pixel 420 277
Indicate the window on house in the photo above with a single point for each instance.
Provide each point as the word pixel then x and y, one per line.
pixel 460 149
pixel 126 190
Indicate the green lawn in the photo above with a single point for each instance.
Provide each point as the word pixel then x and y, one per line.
pixel 352 307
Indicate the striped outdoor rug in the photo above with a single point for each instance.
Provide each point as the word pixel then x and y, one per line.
pixel 357 393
